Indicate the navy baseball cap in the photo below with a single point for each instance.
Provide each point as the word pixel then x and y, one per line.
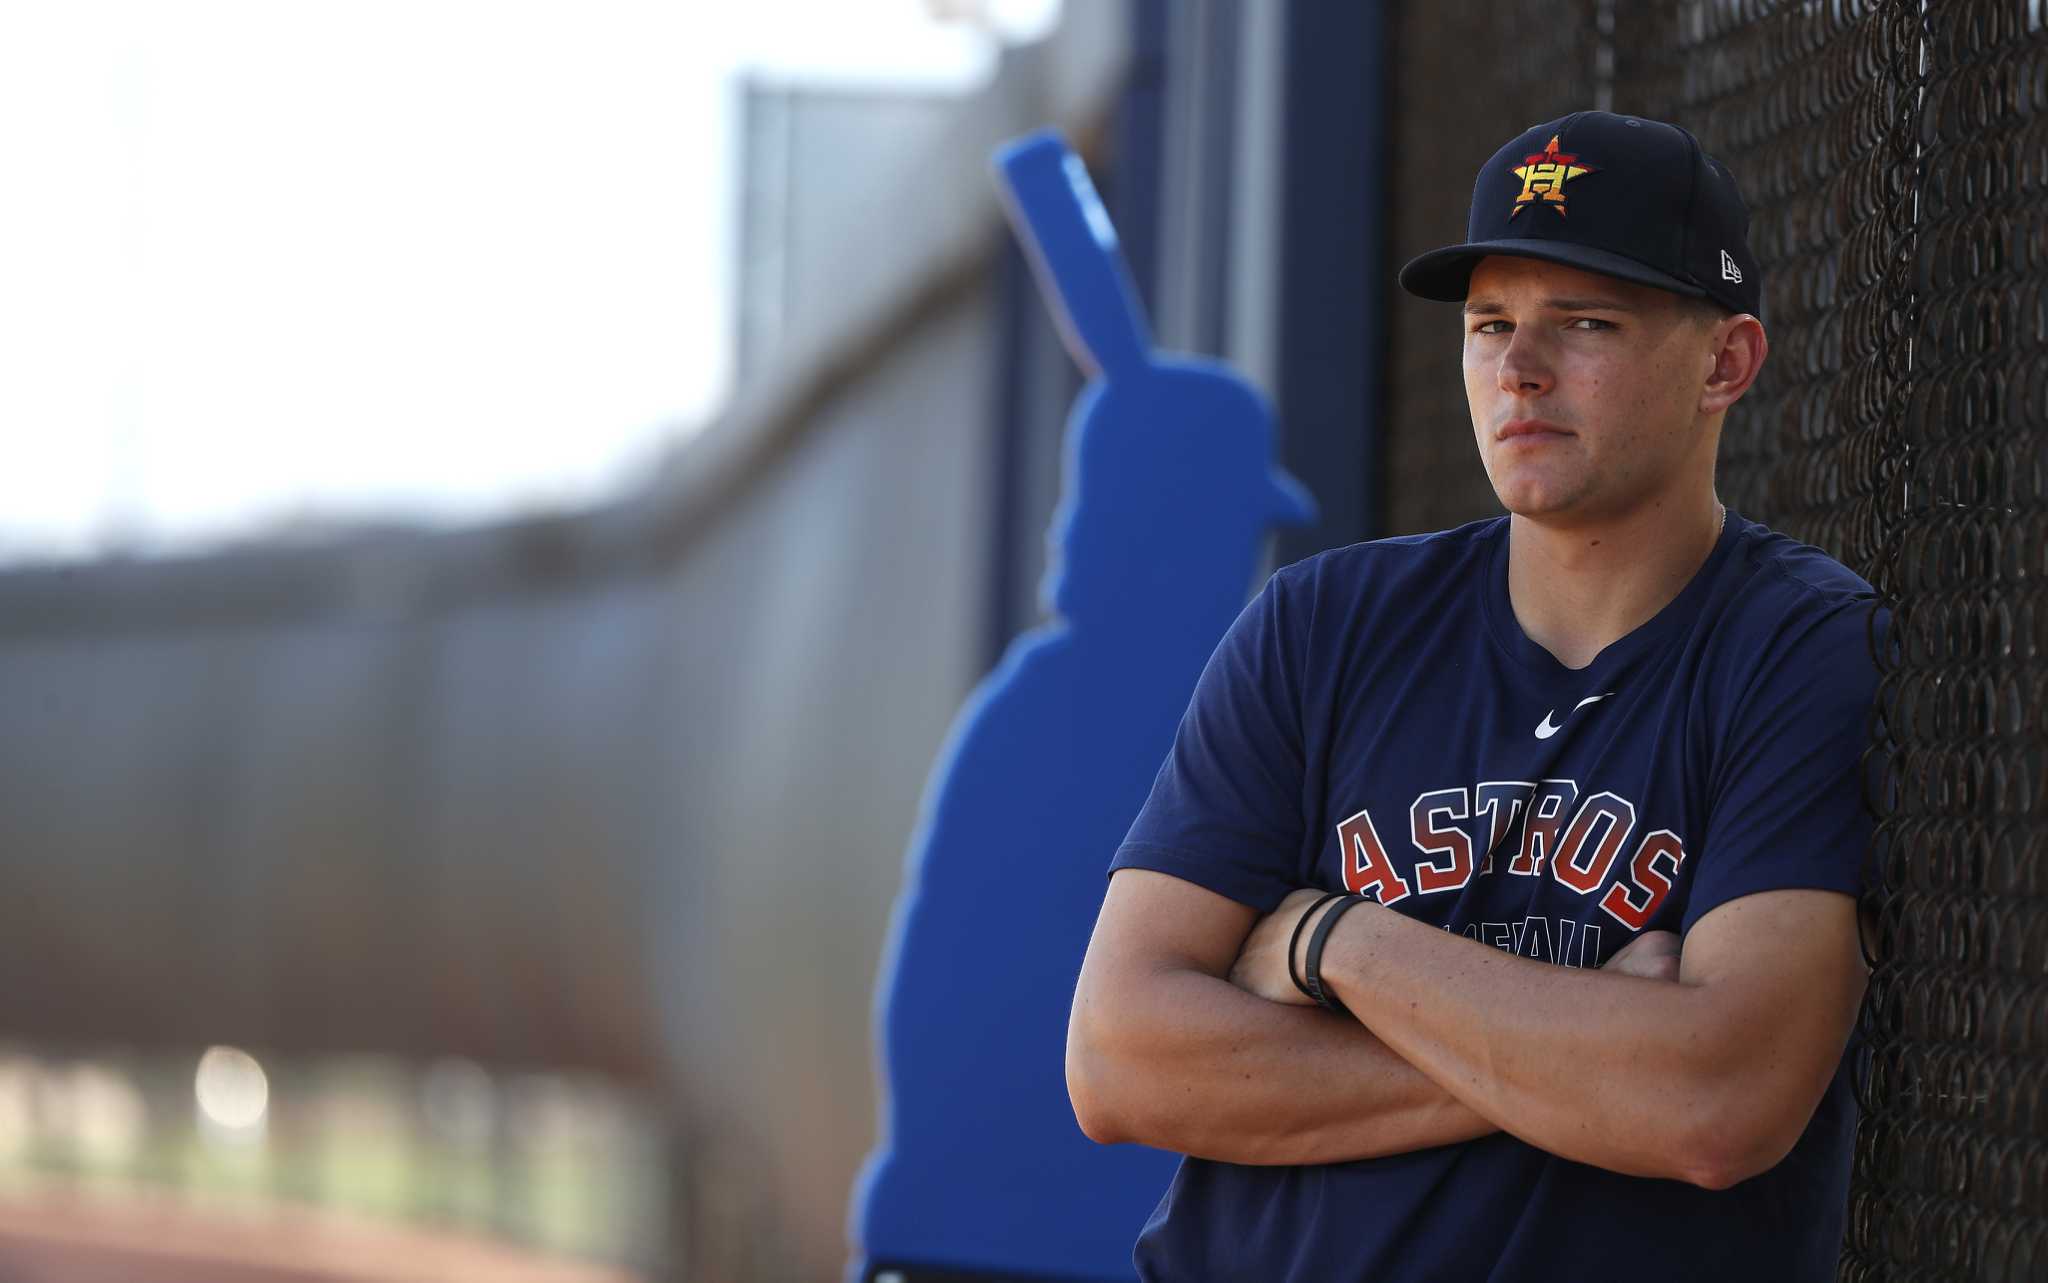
pixel 1618 195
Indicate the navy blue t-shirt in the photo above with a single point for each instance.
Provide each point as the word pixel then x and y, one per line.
pixel 1377 720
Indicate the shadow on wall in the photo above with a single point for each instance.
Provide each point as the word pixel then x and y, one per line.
pixel 1169 492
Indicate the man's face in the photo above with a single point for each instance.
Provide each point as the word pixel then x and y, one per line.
pixel 1584 390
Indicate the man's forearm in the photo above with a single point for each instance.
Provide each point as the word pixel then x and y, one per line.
pixel 1196 1065
pixel 1633 1075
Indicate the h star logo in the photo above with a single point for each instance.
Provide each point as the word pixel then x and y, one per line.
pixel 1544 175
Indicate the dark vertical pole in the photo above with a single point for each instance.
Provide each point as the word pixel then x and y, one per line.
pixel 1132 192
pixel 1222 28
pixel 1333 268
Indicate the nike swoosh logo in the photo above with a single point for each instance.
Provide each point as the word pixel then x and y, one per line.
pixel 1547 727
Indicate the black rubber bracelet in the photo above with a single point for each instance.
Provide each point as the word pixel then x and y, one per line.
pixel 1295 939
pixel 1313 964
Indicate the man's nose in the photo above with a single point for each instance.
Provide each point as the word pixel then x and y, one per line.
pixel 1524 366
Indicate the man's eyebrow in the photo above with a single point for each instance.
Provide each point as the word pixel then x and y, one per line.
pixel 1495 307
pixel 1592 303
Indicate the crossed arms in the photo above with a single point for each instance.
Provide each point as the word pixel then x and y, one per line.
pixel 1709 1078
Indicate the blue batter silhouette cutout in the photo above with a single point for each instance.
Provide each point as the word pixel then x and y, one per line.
pixel 1169 490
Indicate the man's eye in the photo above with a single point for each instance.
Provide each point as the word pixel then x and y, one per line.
pixel 1592 323
pixel 1486 327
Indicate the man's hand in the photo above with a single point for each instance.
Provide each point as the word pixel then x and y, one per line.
pixel 1653 955
pixel 1261 966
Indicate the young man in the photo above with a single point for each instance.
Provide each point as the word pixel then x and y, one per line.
pixel 1538 752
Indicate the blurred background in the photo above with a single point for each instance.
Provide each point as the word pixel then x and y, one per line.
pixel 501 502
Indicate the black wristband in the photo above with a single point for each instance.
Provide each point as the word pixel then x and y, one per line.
pixel 1313 964
pixel 1295 939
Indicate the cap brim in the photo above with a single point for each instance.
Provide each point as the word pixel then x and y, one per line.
pixel 1445 274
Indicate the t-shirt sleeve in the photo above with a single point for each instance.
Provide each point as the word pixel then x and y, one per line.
pixel 1787 805
pixel 1225 809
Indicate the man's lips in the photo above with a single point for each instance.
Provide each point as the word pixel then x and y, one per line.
pixel 1529 428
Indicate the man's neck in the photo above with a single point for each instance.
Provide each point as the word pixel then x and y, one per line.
pixel 1577 589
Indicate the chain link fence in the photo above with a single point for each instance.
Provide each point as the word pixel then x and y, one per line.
pixel 1895 160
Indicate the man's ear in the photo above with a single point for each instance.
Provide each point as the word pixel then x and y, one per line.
pixel 1738 352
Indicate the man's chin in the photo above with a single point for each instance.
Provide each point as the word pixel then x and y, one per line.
pixel 1538 505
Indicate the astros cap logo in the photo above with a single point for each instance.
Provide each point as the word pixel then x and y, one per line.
pixel 1544 175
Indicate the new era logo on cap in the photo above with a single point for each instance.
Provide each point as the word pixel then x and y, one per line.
pixel 1729 271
